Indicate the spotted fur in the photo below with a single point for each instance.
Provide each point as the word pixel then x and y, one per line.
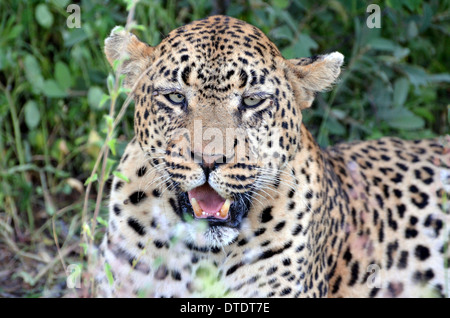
pixel 361 219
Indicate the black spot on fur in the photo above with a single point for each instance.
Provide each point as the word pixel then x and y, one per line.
pixel 411 233
pixel 354 274
pixel 119 185
pixel 141 171
pixel 176 275
pixel 298 228
pixel 266 215
pixel 374 292
pixel 336 285
pixel 185 75
pixel 403 260
pixel 279 226
pixel 156 193
pixel 233 268
pixel 137 197
pixel 285 291
pixel 137 226
pixel 422 252
pixel 117 210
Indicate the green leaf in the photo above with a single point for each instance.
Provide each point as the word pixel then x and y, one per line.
pixel 120 175
pixel 412 5
pixel 395 4
pixel 335 127
pixel 27 278
pixel 382 44
pixel 43 15
pixel 102 221
pixel 282 4
pixel 283 33
pixel 14 33
pixel 112 146
pixel 425 113
pixel 84 246
pixel 402 118
pixel 401 52
pixel 5 62
pixel 129 3
pixel 426 17
pixel 138 27
pixel 412 31
pixel 87 230
pixel 104 99
pixel 338 113
pixel 121 80
pixel 109 164
pixel 339 9
pixel 109 120
pixel 52 89
pixel 50 209
pixel 306 43
pixel 118 29
pixel 110 83
pixel 74 36
pixel 380 95
pixel 448 114
pixel 95 95
pixel 33 73
pixel 439 78
pixel 401 88
pixel 301 48
pixel 417 75
pixel 124 90
pixel 109 274
pixel 60 3
pixel 63 76
pixel 116 64
pixel 93 178
pixel 32 114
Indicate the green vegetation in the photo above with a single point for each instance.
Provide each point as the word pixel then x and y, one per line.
pixel 59 100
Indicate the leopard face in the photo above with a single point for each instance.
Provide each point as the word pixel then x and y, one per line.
pixel 218 115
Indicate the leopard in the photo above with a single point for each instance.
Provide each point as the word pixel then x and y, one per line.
pixel 227 194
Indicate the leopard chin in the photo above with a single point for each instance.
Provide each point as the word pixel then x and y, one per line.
pixel 212 238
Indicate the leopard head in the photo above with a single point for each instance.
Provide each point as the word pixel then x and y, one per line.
pixel 218 115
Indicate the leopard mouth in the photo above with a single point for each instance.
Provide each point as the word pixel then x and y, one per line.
pixel 207 203
pixel 204 203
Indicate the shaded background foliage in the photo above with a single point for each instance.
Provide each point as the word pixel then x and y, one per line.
pixel 53 100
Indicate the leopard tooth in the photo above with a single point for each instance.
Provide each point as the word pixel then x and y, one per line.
pixel 225 208
pixel 196 207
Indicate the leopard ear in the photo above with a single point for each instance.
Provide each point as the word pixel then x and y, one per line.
pixel 311 75
pixel 136 56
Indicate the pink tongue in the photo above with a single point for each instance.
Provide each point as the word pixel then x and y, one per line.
pixel 208 199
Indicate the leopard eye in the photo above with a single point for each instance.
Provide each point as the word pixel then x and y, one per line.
pixel 253 101
pixel 176 98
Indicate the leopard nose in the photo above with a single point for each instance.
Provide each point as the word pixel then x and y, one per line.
pixel 208 162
